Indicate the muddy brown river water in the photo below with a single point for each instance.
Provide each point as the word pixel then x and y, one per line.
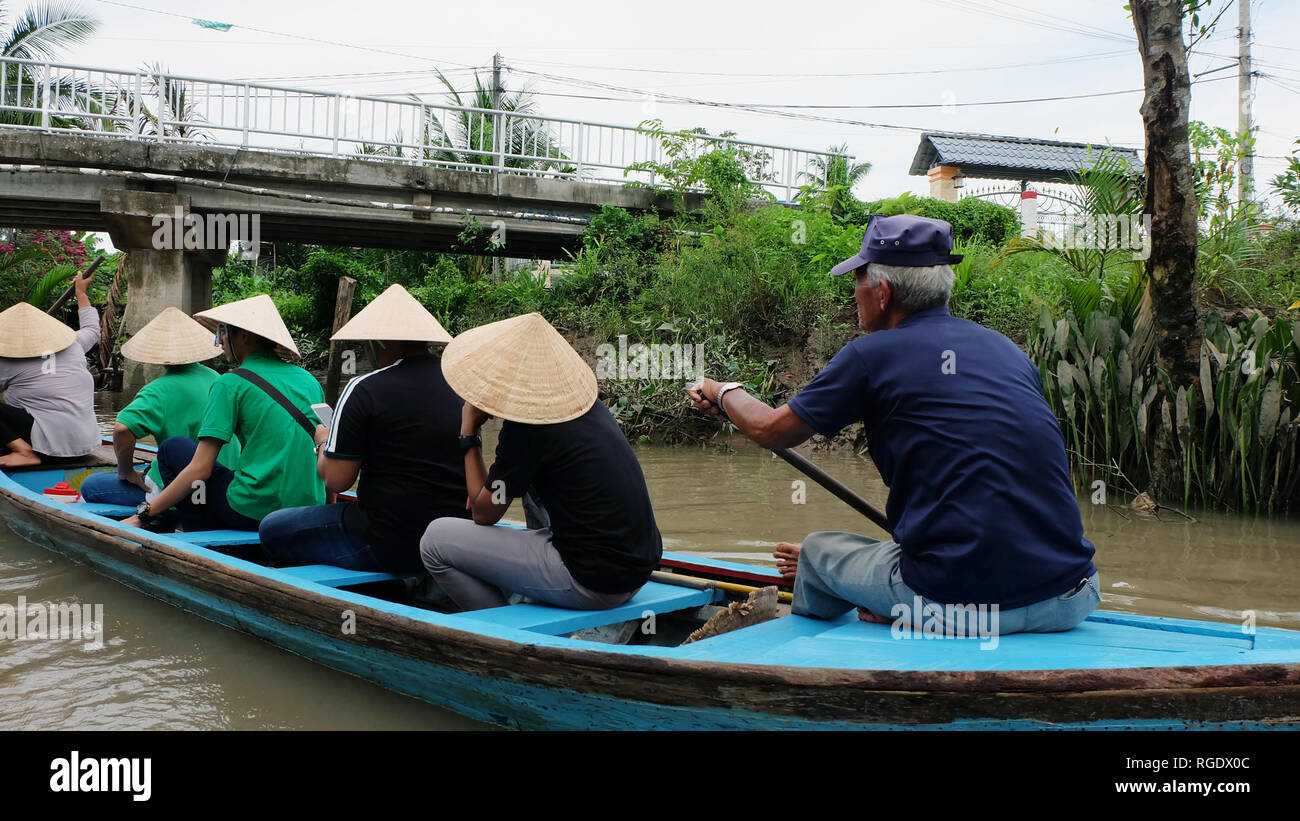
pixel 162 668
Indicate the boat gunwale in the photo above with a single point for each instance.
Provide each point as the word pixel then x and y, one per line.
pixel 1066 681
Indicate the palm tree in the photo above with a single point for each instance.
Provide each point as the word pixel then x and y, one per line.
pixel 1107 188
pixel 1105 277
pixel 831 179
pixel 469 137
pixel 41 32
pixel 179 112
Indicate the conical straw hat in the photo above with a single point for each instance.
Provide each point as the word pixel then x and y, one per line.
pixel 171 338
pixel 256 314
pixel 27 331
pixel 393 315
pixel 520 369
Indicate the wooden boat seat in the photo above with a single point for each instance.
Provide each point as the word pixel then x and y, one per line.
pixel 331 576
pixel 555 621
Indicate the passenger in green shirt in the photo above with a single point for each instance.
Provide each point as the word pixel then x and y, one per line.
pixel 277 464
pixel 171 405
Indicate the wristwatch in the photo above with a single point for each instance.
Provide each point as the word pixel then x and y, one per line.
pixel 468 443
pixel 723 392
pixel 142 512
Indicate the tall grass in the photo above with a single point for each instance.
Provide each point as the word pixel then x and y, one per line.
pixel 1236 432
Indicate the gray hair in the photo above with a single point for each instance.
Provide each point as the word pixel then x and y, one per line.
pixel 915 287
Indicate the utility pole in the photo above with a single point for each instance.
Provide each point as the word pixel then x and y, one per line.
pixel 496 81
pixel 1245 101
pixel 498 140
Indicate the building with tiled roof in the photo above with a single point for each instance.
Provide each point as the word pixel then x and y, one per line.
pixel 946 157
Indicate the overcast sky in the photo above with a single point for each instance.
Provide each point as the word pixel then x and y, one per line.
pixel 958 52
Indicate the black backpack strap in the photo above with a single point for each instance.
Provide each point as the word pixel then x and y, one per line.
pixel 298 416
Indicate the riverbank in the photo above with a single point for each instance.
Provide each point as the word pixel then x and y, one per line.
pixel 737 292
pixel 743 292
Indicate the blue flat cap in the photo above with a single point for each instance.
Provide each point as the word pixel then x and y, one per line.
pixel 903 240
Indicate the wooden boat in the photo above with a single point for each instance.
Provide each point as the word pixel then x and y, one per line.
pixel 534 666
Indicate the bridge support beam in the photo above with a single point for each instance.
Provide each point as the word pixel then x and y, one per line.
pixel 158 274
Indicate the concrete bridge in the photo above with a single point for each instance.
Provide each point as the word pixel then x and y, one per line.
pixel 83 182
pixel 129 152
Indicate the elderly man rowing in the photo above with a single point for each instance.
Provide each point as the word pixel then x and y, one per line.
pixel 980 502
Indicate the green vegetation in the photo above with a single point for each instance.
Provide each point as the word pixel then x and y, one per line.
pixel 466 138
pixel 37 266
pixel 972 219
pixel 1236 435
pixel 1234 432
pixel 40 32
pixel 1287 183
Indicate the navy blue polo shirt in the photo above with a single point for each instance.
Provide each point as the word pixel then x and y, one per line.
pixel 980 497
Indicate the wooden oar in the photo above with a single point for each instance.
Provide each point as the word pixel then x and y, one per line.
pixel 709 584
pixel 87 274
pixel 836 488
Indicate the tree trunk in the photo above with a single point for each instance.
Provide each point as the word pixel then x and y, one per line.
pixel 342 313
pixel 1171 202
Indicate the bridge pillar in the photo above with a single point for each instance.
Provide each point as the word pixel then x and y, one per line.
pixel 159 271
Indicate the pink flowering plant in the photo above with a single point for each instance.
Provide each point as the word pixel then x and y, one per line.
pixel 35 266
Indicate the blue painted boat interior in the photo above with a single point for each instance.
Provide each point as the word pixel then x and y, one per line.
pixel 1105 640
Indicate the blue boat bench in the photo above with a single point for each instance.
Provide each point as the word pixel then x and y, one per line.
pixel 331 576
pixel 101 509
pixel 654 597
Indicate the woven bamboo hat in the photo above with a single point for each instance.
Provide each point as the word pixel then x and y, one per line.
pixel 258 315
pixel 27 331
pixel 171 338
pixel 393 315
pixel 520 369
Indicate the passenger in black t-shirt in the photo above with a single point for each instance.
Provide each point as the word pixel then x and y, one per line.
pixel 562 446
pixel 397 427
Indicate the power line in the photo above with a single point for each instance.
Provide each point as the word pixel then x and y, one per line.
pixel 1019 14
pixel 1280 83
pixel 306 38
pixel 804 75
pixel 774 112
pixel 362 76
pixel 782 110
pixel 814 107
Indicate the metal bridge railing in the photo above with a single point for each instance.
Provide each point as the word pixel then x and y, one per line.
pixel 169 107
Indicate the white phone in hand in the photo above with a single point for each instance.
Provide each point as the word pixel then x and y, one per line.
pixel 325 413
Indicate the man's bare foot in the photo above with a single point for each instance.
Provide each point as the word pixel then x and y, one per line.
pixel 787 559
pixel 20 454
pixel 19 460
pixel 866 615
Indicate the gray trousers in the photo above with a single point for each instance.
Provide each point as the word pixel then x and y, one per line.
pixel 474 564
pixel 839 571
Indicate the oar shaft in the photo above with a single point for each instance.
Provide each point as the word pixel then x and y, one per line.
pixel 836 488
pixel 707 584
pixel 87 274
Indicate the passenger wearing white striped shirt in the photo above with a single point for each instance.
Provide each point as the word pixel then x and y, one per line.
pixel 397 428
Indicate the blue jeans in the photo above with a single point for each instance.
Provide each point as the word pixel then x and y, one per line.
pixel 106 488
pixel 316 535
pixel 210 511
pixel 839 571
